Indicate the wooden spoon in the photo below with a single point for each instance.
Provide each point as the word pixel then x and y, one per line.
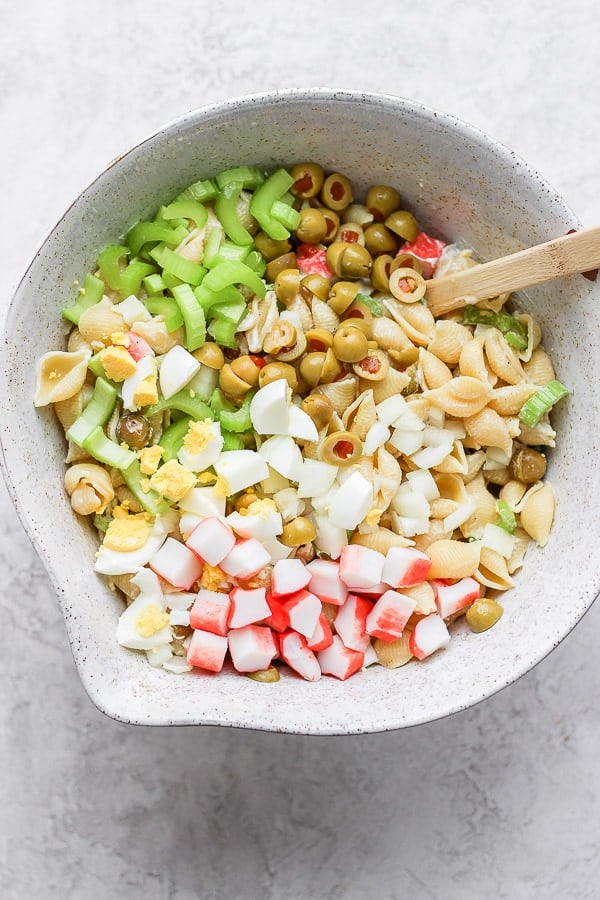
pixel 573 253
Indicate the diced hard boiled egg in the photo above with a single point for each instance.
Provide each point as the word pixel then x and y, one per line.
pixel 133 310
pixel 276 549
pixel 203 502
pixel 274 482
pixel 316 478
pixel 202 445
pixel 283 454
pixel 114 562
pixel 144 625
pixel 288 503
pixel 270 408
pixel 377 435
pixel 352 502
pixel 241 468
pixel 330 539
pixel 262 521
pixel 177 367
pixel 301 426
pixel 146 368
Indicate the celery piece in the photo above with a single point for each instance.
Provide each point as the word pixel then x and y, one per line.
pixel 507 519
pixel 109 263
pixel 230 251
pixel 285 214
pixel 262 202
pixel 232 272
pixel 183 402
pixel 232 441
pixel 153 284
pixel 210 256
pixel 232 418
pixel 542 402
pixel 193 316
pixel 256 262
pixel 150 232
pixel 511 328
pixel 96 413
pixel 375 308
pixel 177 265
pixel 201 191
pixel 166 307
pixel 223 332
pixel 106 451
pixel 171 440
pixel 186 209
pixel 226 210
pixel 249 177
pixel 207 298
pixel 91 293
pixel 232 310
pixel 131 277
pixel 152 502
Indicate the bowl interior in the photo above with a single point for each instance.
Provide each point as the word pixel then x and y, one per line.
pixel 463 187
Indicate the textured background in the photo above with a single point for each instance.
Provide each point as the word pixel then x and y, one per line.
pixel 502 801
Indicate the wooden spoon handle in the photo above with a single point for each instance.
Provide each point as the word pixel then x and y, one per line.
pixel 577 252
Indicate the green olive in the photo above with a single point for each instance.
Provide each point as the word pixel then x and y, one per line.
pixel 357 213
pixel 336 192
pixel 299 531
pixel 361 316
pixel 245 367
pixel 287 285
pixel 274 371
pixel 382 200
pixel 374 366
pixel 332 220
pixel 231 383
pixel 482 614
pixel 342 448
pixel 335 253
pixel 332 368
pixel 269 248
pixel 380 273
pixel 379 239
pixel 266 676
pixel 311 367
pixel 279 264
pixel 134 430
pixel 308 180
pixel 210 354
pixel 356 262
pixel 319 408
pixel 350 344
pixel 315 285
pixel 527 465
pixel 351 233
pixel 407 261
pixel 312 226
pixel 319 340
pixel 341 295
pixel 404 224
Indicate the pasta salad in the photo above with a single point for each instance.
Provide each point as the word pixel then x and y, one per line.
pixel 288 459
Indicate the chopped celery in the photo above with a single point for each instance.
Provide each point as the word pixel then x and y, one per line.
pixel 151 232
pixel 507 519
pixel 372 305
pixel 171 440
pixel 97 412
pixel 193 316
pixel 186 209
pixel 153 284
pixel 201 191
pixel 207 298
pixel 167 307
pixel 511 328
pixel 106 451
pixel 542 402
pixel 177 265
pixel 232 310
pixel 183 401
pixel 223 332
pixel 131 277
pixel 152 502
pixel 256 262
pixel 232 441
pixel 285 214
pixel 109 263
pixel 232 272
pixel 226 210
pixel 210 257
pixel 249 177
pixel 91 293
pixel 232 418
pixel 262 202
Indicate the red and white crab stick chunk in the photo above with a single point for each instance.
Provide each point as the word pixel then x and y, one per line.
pixel 252 648
pixel 207 651
pixel 137 347
pixel 450 598
pixel 405 566
pixel 351 622
pixel 387 620
pixel 322 637
pixel 210 612
pixel 340 661
pixel 294 650
pixel 176 564
pixel 303 609
pixel 289 576
pixel 279 619
pixel 430 634
pixel 325 581
pixel 361 567
pixel 247 607
pixel 211 540
pixel 246 559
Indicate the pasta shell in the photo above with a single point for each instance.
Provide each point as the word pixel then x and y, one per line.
pixel 455 462
pixel 70 409
pixel 485 507
pixel 341 393
pixel 298 308
pixel 448 340
pixel 539 369
pixel 462 397
pixel 512 493
pixel 416 320
pixel 520 546
pixel 534 335
pixel 508 399
pixel 156 335
pixel 453 559
pixel 393 654
pixel 537 514
pixel 360 415
pixel 389 335
pixel 366 467
pixel 59 375
pixel 381 540
pixel 424 595
pixel 492 570
pixel 259 322
pixel 489 429
pixel 472 361
pixel 437 532
pixel 434 372
pixel 76 341
pixel 323 316
pixel 89 487
pixel 192 246
pixel 75 453
pixel 97 323
pixel 543 435
pixel 451 487
pixel 501 357
pixel 474 462
pixel 388 478
pixel 394 383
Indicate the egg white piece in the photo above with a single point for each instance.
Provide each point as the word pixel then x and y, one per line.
pixel 330 539
pixel 241 468
pixel 128 633
pixel 177 368
pixel 270 408
pixel 301 426
pixel 352 502
pixel 203 502
pixel 262 527
pixel 146 366
pixel 284 455
pixel 113 562
pixel 316 478
pixel 377 435
pixel 206 455
pixel 276 550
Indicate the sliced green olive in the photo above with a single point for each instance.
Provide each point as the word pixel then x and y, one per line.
pixel 210 354
pixel 267 676
pixel 312 226
pixel 269 248
pixel 245 367
pixel 332 221
pixel 311 367
pixel 407 261
pixel 407 285
pixel 372 367
pixel 287 285
pixel 231 384
pixel 380 273
pixel 379 239
pixel 315 285
pixel 482 614
pixel 336 192
pixel 341 295
pixel 382 200
pixel 349 260
pixel 342 448
pixel 527 465
pixel 308 179
pixel 297 532
pixel 403 223
pixel 319 408
pixel 276 370
pixel 361 316
pixel 134 430
pixel 279 264
pixel 350 344
pixel 319 340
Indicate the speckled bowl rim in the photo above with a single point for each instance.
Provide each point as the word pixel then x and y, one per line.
pixel 219 109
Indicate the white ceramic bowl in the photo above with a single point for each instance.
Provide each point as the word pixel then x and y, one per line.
pixel 464 186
